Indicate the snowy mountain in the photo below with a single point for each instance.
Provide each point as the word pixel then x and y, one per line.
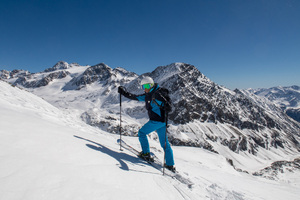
pixel 287 98
pixel 205 114
pixel 48 153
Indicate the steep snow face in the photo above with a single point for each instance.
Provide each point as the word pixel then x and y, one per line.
pixel 48 153
pixel 204 115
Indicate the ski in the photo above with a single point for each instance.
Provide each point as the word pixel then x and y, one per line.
pixel 157 164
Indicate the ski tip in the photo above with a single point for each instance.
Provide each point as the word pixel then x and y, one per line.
pixel 120 140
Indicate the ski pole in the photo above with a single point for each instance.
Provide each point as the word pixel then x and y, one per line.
pixel 121 122
pixel 165 147
pixel 166 120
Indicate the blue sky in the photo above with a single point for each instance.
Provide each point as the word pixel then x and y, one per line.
pixel 235 43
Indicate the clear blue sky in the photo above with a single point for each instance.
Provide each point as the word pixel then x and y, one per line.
pixel 235 43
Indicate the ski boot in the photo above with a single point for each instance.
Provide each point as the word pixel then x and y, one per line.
pixel 171 168
pixel 146 156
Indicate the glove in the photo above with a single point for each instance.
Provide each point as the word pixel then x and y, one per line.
pixel 121 90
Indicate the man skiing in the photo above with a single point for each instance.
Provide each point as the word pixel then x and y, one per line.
pixel 157 106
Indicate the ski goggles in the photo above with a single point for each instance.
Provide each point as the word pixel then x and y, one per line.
pixel 147 86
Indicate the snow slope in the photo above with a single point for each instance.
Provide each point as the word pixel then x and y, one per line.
pixel 47 153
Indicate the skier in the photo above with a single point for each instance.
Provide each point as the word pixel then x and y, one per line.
pixel 156 105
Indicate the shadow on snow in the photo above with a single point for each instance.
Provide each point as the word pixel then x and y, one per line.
pixel 119 156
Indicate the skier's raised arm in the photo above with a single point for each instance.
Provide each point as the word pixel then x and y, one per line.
pixel 122 90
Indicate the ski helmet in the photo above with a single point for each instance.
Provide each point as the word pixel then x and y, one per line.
pixel 147 80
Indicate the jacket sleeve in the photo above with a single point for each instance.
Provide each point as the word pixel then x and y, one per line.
pixel 134 97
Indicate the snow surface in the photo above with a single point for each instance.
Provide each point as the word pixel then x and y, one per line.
pixel 48 153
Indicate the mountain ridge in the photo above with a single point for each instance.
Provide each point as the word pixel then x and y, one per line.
pixel 287 98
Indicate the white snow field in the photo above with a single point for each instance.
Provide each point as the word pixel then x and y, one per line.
pixel 47 153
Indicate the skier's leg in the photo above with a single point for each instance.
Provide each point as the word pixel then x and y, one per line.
pixel 149 127
pixel 169 152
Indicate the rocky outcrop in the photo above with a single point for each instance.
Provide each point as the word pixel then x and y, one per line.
pixel 27 82
pixel 278 168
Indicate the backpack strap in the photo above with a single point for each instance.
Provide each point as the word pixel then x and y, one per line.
pixel 165 100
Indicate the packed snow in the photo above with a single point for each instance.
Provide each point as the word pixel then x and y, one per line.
pixel 49 153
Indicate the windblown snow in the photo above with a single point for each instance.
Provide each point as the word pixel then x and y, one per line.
pixel 49 153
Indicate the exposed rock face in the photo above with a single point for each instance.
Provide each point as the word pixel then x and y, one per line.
pixel 23 80
pixel 61 65
pixel 278 168
pixel 99 73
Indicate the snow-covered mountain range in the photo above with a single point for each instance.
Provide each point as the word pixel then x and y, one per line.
pixel 287 98
pixel 205 114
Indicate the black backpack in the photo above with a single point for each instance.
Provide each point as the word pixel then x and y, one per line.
pixel 163 94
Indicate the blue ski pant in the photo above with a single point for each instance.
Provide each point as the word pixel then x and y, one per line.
pixel 160 128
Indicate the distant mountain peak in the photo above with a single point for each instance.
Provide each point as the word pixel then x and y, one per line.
pixel 183 71
pixel 58 66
